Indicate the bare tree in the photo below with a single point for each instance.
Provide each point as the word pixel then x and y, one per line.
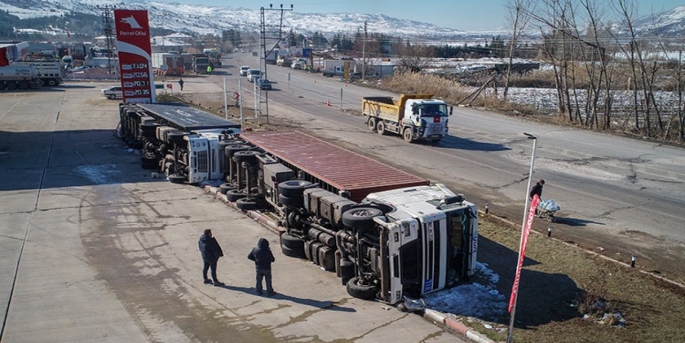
pixel 519 21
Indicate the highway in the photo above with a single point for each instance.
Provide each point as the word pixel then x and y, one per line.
pixel 618 195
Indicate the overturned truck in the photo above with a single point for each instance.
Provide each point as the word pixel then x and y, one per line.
pixel 386 233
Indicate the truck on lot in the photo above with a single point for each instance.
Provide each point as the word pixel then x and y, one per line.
pixel 200 62
pixel 386 233
pixel 49 72
pixel 413 116
pixel 18 76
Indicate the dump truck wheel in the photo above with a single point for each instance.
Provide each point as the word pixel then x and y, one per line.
pixel 295 253
pixel 52 82
pixel 291 201
pixel 292 242
pixel 293 188
pixel 361 217
pixel 234 195
pixel 380 128
pixel 408 135
pixel 372 124
pixel 360 291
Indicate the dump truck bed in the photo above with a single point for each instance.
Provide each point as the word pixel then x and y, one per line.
pixel 334 168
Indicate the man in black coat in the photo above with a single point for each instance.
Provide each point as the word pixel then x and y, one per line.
pixel 263 257
pixel 537 189
pixel 211 251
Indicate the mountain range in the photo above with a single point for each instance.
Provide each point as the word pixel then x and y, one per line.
pixel 199 19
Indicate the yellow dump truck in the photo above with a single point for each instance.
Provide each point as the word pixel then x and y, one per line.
pixel 413 116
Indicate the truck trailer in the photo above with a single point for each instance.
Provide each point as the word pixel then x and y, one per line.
pixel 386 233
pixel 18 76
pixel 413 116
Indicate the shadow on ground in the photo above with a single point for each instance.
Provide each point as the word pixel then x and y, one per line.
pixel 324 305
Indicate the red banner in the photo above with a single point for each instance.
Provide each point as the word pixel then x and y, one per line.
pixel 135 61
pixel 522 250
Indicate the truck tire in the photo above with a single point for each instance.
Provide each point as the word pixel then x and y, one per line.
pixel 372 124
pixel 247 156
pixel 361 217
pixel 246 204
pixel 23 85
pixel 292 242
pixel 234 195
pixel 173 178
pixel 291 201
pixel 346 271
pixel 232 149
pixel 52 82
pixel 380 128
pixel 293 188
pixel 408 135
pixel 295 253
pixel 359 291
pixel 225 187
pixel 12 85
pixel 3 85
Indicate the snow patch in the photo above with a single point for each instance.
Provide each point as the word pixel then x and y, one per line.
pixel 98 174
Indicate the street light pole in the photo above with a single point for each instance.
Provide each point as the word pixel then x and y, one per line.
pixel 364 53
pixel 523 229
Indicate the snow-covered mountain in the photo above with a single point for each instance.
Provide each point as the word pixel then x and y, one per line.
pixel 670 23
pixel 201 19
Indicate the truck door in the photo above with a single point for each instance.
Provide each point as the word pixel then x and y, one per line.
pixel 404 259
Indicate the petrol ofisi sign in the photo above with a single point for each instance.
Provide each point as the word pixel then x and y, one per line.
pixel 135 62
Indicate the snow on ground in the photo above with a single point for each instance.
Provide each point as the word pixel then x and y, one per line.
pixel 98 174
pixel 478 300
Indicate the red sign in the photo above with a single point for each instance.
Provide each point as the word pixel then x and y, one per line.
pixel 135 62
pixel 522 250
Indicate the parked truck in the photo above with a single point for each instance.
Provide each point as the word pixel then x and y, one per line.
pixel 413 116
pixel 386 233
pixel 48 71
pixel 200 62
pixel 18 76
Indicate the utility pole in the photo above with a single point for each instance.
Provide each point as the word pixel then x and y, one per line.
pixel 263 55
pixel 366 36
pixel 109 34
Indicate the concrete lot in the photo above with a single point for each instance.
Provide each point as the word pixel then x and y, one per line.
pixel 92 249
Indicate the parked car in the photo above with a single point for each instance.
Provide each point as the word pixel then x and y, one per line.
pixel 112 92
pixel 243 70
pixel 264 84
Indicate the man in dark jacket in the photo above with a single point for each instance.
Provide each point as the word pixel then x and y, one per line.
pixel 262 257
pixel 537 189
pixel 211 251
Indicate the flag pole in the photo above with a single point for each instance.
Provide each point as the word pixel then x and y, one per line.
pixel 523 229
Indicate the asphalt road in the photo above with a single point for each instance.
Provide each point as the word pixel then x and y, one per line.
pixel 94 249
pixel 618 195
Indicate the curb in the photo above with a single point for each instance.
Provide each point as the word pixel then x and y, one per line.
pixel 456 326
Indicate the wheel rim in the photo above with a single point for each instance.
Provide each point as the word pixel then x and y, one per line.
pixel 407 135
pixel 372 124
pixel 380 127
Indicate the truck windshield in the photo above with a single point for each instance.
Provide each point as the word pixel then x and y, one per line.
pixel 458 233
pixel 432 110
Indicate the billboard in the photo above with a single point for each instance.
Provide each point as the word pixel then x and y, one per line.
pixel 135 62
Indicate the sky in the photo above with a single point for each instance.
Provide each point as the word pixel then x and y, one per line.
pixel 456 14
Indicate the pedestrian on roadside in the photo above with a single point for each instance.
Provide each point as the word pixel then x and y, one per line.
pixel 211 251
pixel 180 83
pixel 209 70
pixel 262 257
pixel 537 189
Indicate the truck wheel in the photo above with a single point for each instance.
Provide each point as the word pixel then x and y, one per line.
pixel 372 124
pixel 357 290
pixel 173 178
pixel 12 85
pixel 361 217
pixel 230 150
pixel 23 85
pixel 52 83
pixel 246 204
pixel 346 271
pixel 40 83
pixel 292 242
pixel 175 137
pixel 380 128
pixel 112 96
pixel 225 187
pixel 291 201
pixel 247 156
pixel 293 188
pixel 296 253
pixel 148 129
pixel 3 85
pixel 408 135
pixel 234 195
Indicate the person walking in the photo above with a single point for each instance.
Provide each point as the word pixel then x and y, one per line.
pixel 537 189
pixel 209 70
pixel 262 257
pixel 211 251
pixel 180 83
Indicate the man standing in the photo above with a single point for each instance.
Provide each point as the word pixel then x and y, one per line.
pixel 211 251
pixel 180 83
pixel 263 257
pixel 537 189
